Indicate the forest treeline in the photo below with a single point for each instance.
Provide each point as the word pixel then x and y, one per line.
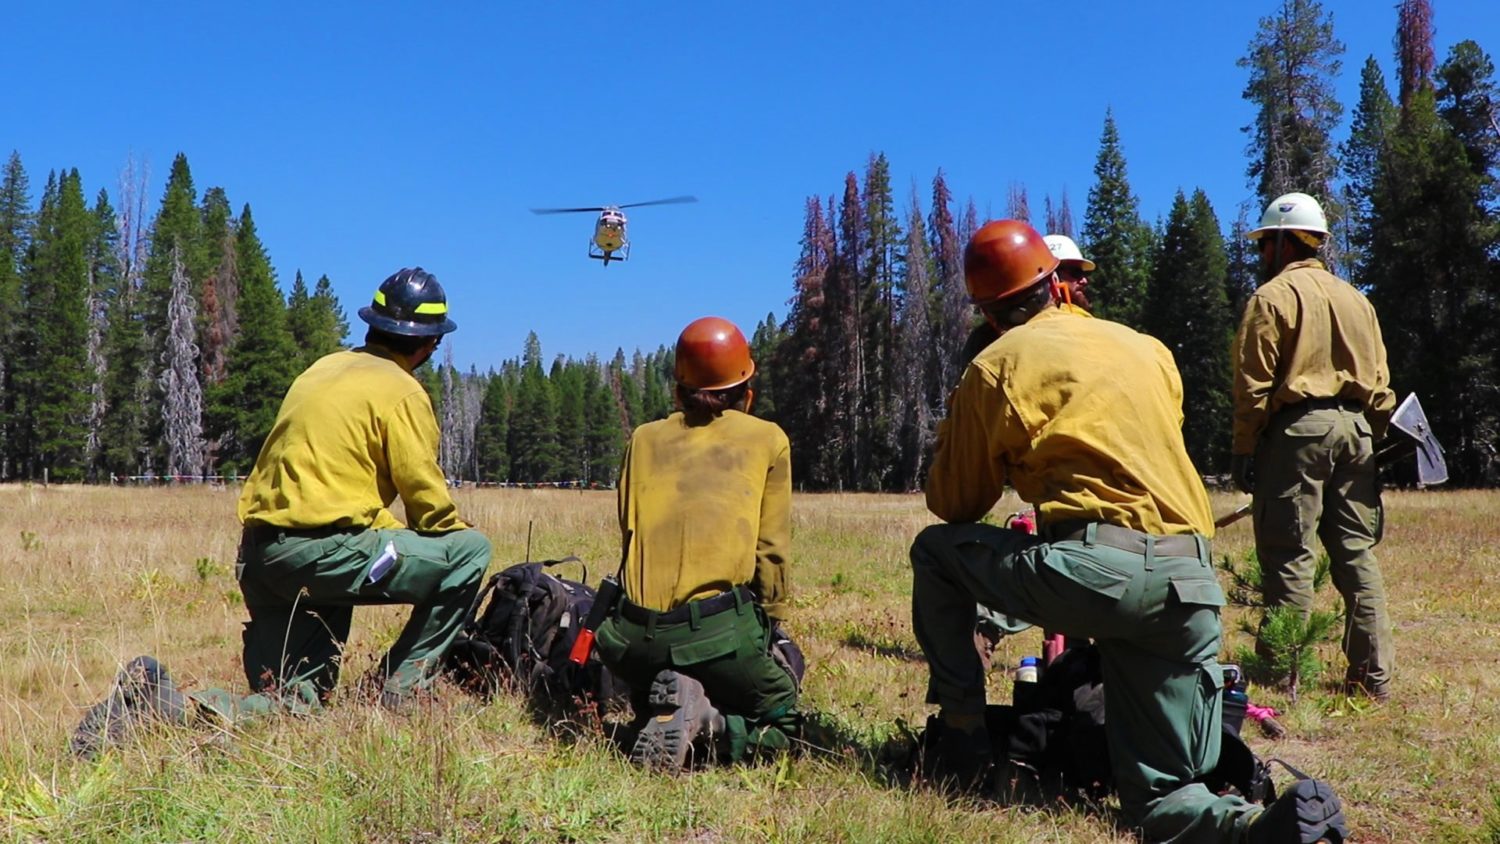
pixel 130 346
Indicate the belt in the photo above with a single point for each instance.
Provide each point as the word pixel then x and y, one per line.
pixel 1125 539
pixel 1327 404
pixel 272 533
pixel 706 607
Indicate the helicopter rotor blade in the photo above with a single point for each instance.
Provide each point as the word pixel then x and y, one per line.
pixel 672 200
pixel 566 210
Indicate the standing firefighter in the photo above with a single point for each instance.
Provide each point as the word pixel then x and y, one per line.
pixel 1072 271
pixel 705 511
pixel 354 431
pixel 1312 396
pixel 1083 417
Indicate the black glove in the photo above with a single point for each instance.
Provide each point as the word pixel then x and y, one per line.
pixel 1242 472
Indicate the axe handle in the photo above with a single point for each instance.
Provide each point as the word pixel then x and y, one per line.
pixel 1232 516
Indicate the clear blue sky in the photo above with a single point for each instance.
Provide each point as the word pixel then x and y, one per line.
pixel 371 136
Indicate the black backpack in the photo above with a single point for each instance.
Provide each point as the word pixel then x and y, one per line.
pixel 1052 740
pixel 524 635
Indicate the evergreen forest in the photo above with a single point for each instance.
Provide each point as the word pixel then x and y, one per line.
pixel 160 345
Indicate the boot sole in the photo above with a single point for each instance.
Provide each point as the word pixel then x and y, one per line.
pixel 1320 812
pixel 664 741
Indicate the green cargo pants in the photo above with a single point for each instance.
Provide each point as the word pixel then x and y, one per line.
pixel 301 588
pixel 727 653
pixel 1156 621
pixel 1315 476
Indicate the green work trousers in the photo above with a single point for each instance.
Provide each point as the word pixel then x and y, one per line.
pixel 1315 476
pixel 1156 622
pixel 727 653
pixel 301 589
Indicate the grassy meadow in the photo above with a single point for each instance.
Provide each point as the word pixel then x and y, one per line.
pixel 95 576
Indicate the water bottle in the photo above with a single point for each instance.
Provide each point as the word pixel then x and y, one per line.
pixel 1028 670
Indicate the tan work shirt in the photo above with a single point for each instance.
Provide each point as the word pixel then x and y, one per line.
pixel 1307 334
pixel 706 507
pixel 1083 417
pixel 355 430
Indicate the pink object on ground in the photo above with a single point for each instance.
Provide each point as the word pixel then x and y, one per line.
pixel 1259 713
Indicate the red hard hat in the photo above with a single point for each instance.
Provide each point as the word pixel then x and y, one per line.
pixel 1003 258
pixel 712 355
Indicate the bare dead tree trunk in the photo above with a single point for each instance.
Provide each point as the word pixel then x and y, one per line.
pixel 182 407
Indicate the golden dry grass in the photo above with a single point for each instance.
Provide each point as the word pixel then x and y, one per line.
pixel 93 576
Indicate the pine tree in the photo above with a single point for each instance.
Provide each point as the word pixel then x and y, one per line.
pixel 316 321
pixel 1243 273
pixel 533 420
pixel 122 431
pixel 1017 206
pixel 332 318
pixel 1293 62
pixel 1115 237
pixel 178 225
pixel 15 237
pixel 1431 276
pixel 1189 312
pixel 1368 142
pixel 104 286
pixel 604 440
pixel 490 438
pixel 55 289
pixel 218 316
pixel 1414 54
pixel 568 386
pixel 953 316
pixel 764 343
pixel 182 402
pixel 917 365
pixel 263 360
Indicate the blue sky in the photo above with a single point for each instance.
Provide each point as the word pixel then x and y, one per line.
pixel 371 136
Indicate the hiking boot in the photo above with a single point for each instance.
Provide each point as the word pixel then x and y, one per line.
pixel 1307 813
pixel 680 715
pixel 961 761
pixel 143 691
pixel 1360 687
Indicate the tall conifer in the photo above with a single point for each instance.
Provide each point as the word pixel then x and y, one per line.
pixel 1114 236
pixel 262 361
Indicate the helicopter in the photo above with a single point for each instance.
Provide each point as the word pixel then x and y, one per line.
pixel 609 242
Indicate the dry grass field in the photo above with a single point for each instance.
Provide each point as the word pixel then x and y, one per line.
pixel 94 576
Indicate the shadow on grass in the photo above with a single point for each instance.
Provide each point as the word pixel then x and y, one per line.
pixel 860 641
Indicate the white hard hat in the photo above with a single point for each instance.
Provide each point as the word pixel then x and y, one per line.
pixel 1064 249
pixel 1294 212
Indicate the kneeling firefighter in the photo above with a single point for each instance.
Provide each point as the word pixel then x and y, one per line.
pixel 705 513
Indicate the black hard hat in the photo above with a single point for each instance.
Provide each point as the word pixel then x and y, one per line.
pixel 411 303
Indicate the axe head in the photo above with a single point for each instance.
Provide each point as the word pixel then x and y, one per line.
pixel 1410 433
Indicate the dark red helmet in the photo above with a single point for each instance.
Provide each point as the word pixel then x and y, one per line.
pixel 712 355
pixel 1003 258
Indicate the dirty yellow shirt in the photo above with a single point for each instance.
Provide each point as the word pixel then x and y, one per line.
pixel 706 507
pixel 354 431
pixel 1083 417
pixel 1307 334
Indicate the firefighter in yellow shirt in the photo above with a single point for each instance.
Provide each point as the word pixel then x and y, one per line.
pixel 1312 396
pixel 705 514
pixel 355 431
pixel 1083 417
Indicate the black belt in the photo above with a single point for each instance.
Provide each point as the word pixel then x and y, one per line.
pixel 1125 539
pixel 706 607
pixel 272 533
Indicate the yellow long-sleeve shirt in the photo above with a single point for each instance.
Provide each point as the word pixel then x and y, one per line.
pixel 1083 417
pixel 1307 334
pixel 706 507
pixel 354 431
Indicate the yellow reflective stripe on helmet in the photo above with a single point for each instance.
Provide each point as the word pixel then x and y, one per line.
pixel 380 297
pixel 432 308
